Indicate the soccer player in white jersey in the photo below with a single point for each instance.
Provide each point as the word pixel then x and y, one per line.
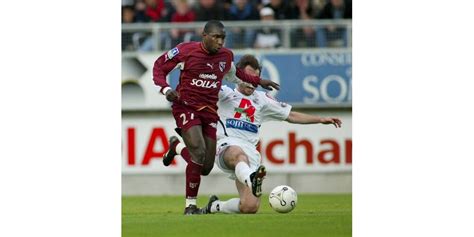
pixel 242 111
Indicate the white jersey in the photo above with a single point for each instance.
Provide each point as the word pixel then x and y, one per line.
pixel 242 115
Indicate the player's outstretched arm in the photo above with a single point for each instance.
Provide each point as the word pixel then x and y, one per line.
pixel 301 118
pixel 236 75
pixel 255 80
pixel 267 84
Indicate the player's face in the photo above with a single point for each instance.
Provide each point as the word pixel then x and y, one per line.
pixel 214 40
pixel 245 88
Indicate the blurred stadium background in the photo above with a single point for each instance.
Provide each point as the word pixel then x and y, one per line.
pixel 306 47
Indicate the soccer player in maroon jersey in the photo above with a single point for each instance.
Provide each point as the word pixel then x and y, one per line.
pixel 203 65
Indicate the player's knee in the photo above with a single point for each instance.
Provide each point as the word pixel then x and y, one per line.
pixel 206 170
pixel 242 157
pixel 248 208
pixel 233 158
pixel 199 154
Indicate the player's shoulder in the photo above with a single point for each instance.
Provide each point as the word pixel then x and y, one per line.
pixel 182 49
pixel 261 94
pixel 267 97
pixel 225 87
pixel 272 100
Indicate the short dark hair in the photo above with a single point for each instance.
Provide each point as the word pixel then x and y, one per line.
pixel 249 60
pixel 213 24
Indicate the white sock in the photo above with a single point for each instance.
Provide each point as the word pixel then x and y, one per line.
pixel 179 148
pixel 190 201
pixel 243 171
pixel 229 206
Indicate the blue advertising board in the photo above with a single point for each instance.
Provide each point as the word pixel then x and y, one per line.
pixel 309 79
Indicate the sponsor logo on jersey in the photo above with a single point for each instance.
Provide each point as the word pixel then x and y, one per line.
pixel 247 109
pixel 204 84
pixel 208 76
pixel 241 125
pixel 170 55
pixel 222 66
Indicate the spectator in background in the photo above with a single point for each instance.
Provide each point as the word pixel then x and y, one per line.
pixel 207 10
pixel 318 6
pixel 337 36
pixel 127 3
pixel 305 35
pixel 156 11
pixel 128 16
pixel 227 4
pixel 267 37
pixel 211 10
pixel 183 14
pixel 140 8
pixel 282 10
pixel 243 10
pixel 152 11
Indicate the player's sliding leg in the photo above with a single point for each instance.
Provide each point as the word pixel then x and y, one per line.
pixel 249 203
pixel 246 204
pixel 248 183
pixel 196 146
pixel 215 205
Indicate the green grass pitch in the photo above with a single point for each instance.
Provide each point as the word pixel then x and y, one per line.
pixel 314 215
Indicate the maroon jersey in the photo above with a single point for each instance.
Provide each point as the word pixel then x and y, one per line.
pixel 201 73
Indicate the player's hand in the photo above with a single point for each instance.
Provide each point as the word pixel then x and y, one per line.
pixel 336 121
pixel 267 84
pixel 171 95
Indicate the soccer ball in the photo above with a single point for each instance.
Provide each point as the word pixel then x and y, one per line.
pixel 283 199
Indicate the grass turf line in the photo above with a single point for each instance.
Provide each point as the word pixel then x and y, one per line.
pixel 314 215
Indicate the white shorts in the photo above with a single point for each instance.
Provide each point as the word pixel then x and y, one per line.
pixel 250 150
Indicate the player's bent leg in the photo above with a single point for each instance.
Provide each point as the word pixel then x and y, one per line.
pixel 233 155
pixel 210 155
pixel 249 204
pixel 194 141
pixel 235 158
